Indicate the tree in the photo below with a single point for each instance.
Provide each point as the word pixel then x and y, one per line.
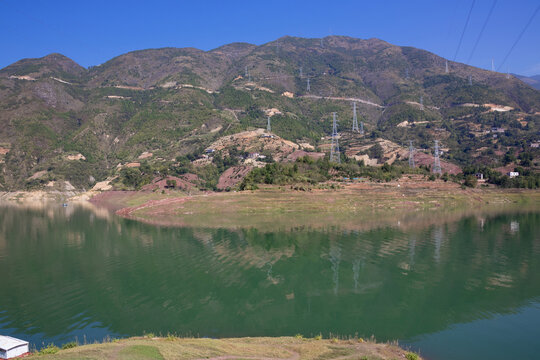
pixel 376 151
pixel 470 181
pixel 171 183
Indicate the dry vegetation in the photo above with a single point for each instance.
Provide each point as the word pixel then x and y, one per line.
pixel 290 348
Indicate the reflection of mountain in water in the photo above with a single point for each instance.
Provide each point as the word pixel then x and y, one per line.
pixel 62 273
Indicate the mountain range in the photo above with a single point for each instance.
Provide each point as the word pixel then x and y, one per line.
pixel 533 80
pixel 61 121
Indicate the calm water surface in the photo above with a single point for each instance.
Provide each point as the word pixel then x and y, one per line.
pixel 465 289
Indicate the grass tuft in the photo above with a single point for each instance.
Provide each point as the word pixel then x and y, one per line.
pixel 69 345
pixel 49 349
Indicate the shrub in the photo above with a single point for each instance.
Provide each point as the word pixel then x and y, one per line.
pixel 470 181
pixel 412 356
pixel 69 345
pixel 49 349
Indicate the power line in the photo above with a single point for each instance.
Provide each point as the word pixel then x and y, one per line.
pixel 519 37
pixel 482 30
pixel 464 29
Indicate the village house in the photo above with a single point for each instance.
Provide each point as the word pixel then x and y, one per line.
pixel 513 174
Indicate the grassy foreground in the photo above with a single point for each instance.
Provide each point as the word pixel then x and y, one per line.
pixel 290 348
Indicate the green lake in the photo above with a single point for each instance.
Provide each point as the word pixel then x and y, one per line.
pixel 460 289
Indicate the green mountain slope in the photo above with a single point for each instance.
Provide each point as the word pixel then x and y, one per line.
pixel 174 102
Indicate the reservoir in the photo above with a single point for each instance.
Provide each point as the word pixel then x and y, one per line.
pixel 464 288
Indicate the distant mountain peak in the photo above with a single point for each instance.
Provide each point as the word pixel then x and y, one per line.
pixel 53 63
pixel 533 80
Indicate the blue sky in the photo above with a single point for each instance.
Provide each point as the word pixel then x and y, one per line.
pixel 92 32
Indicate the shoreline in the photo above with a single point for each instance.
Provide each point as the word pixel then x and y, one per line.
pixel 352 208
pixel 253 348
pixel 358 207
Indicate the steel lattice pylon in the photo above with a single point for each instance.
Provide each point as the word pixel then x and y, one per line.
pixel 268 127
pixel 437 160
pixel 334 151
pixel 411 154
pixel 355 119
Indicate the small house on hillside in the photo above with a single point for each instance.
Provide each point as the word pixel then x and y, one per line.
pixel 513 174
pixel 11 347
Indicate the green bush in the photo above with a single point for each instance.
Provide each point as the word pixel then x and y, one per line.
pixel 470 181
pixel 412 356
pixel 69 345
pixel 49 349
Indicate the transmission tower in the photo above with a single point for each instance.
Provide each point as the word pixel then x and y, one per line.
pixel 437 160
pixel 334 150
pixel 249 76
pixel 246 72
pixel 361 127
pixel 268 127
pixel 411 154
pixel 492 65
pixel 470 80
pixel 308 89
pixel 446 69
pixel 322 45
pixel 301 73
pixel 355 119
pixel 407 74
pixel 421 103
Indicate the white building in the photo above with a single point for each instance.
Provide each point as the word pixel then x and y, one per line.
pixel 513 174
pixel 11 347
